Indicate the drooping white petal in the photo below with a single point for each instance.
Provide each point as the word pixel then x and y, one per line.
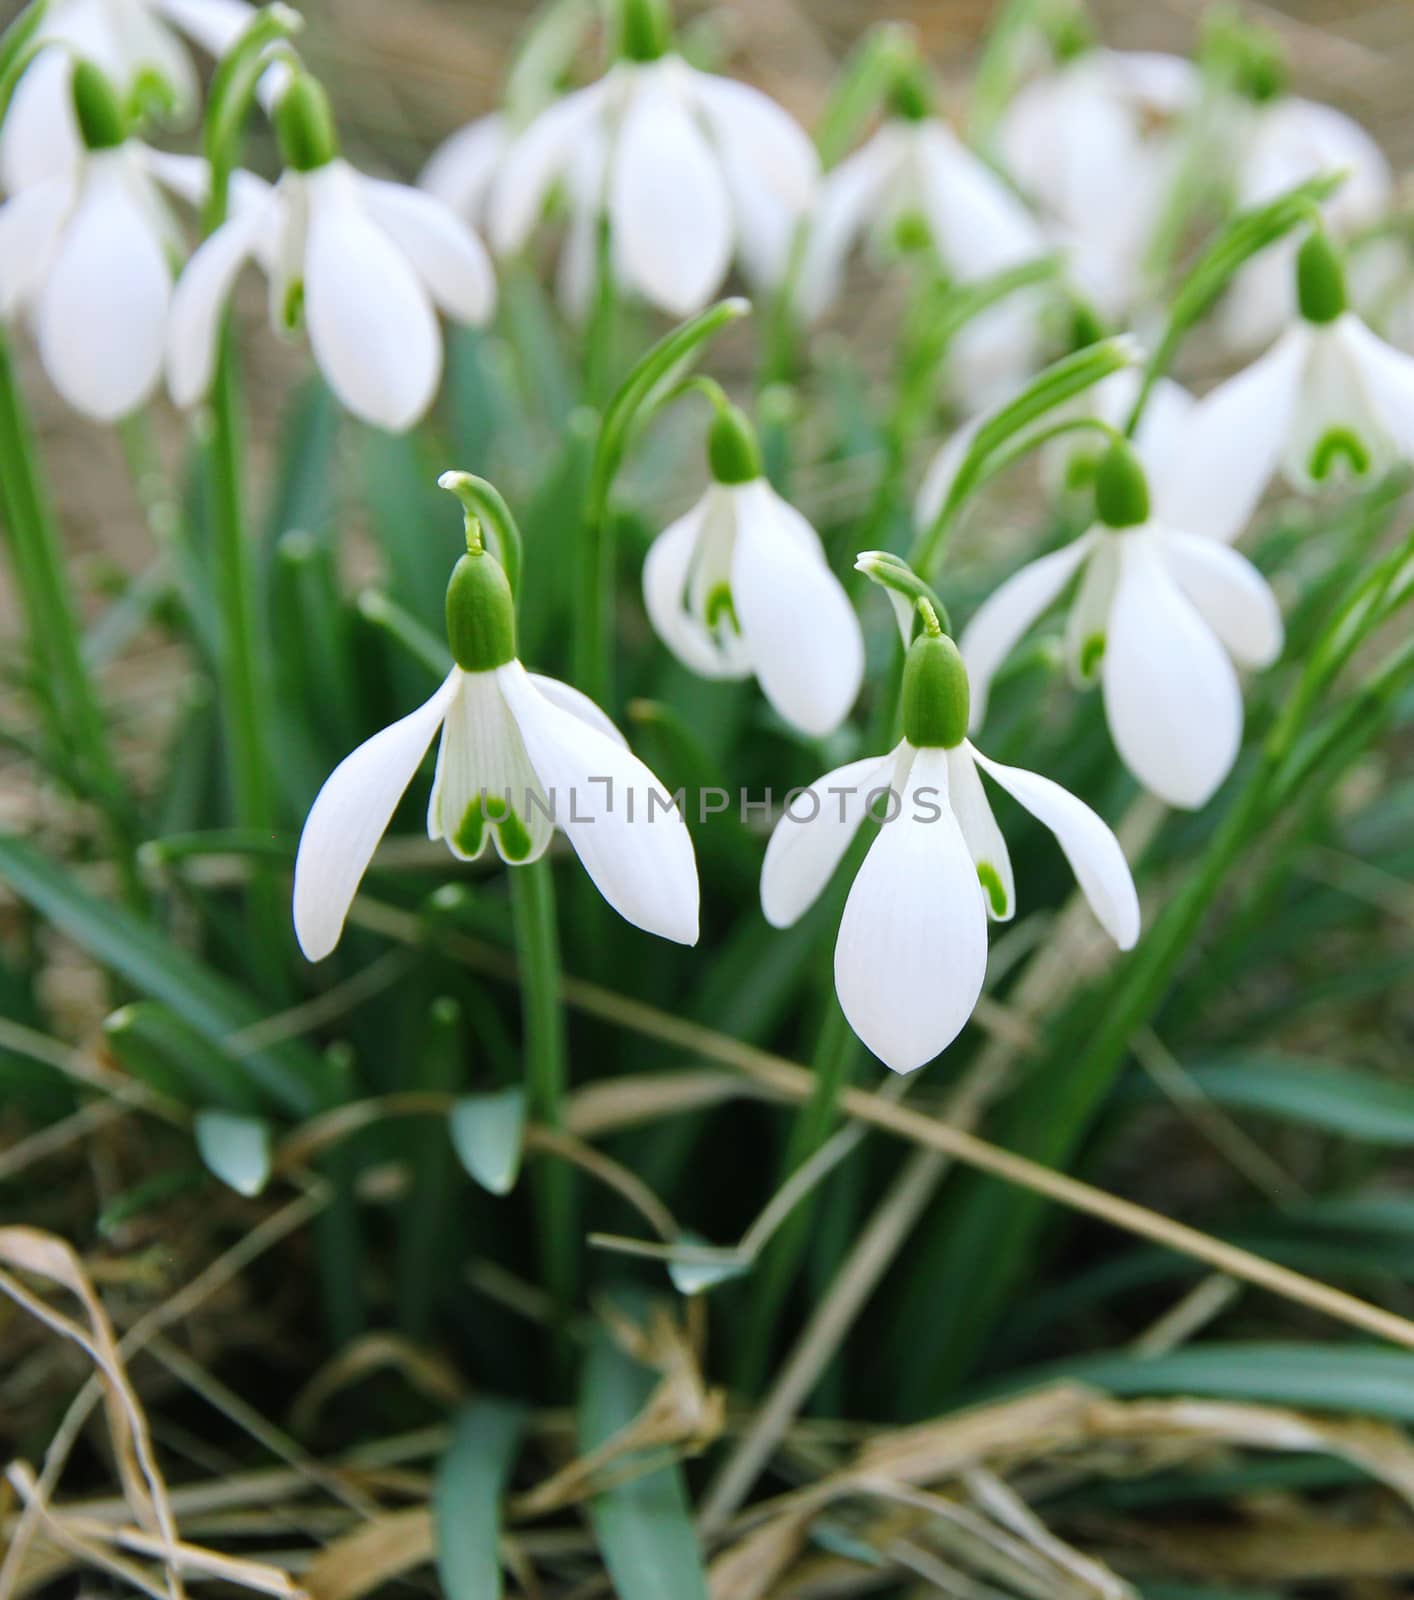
pixel 533 164
pixel 848 194
pixel 461 170
pixel 444 252
pixel 102 311
pixel 570 699
pixel 371 324
pixel 485 789
pixel 943 469
pixel 213 24
pixel 199 302
pixel 668 202
pixel 912 947
pixel 670 573
pixel 1171 694
pixel 801 632
pixel 984 838
pixel 1387 377
pixel 1232 443
pixel 632 842
pixel 350 815
pixel 1001 620
pixel 1232 597
pixel 39 137
pixel 977 223
pixel 813 834
pixel 31 224
pixel 146 45
pixel 1090 847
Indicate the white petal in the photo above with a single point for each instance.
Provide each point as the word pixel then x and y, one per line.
pixel 848 194
pixel 486 789
pixel 814 832
pixel 668 574
pixel 978 224
pixel 213 24
pixel 985 843
pixel 1231 445
pixel 350 815
pixel 445 253
pixel 1090 847
pixel 371 325
pixel 102 313
pixel 1387 377
pixel 199 302
pixel 148 45
pixel 460 171
pixel 1088 622
pixel 534 163
pixel 39 137
pixel 1001 620
pixel 30 227
pixel 1234 599
pixel 631 841
pixel 803 637
pixel 1171 693
pixel 668 202
pixel 570 699
pixel 912 947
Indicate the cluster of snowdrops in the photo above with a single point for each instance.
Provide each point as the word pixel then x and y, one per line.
pixel 662 180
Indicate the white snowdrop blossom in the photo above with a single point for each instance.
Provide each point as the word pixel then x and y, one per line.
pixel 1094 145
pixel 915 169
pixel 911 954
pixel 1162 611
pixel 519 756
pixel 88 255
pixel 140 47
pixel 1328 403
pixel 462 169
pixel 363 262
pixel 740 585
pixel 1282 143
pixel 691 169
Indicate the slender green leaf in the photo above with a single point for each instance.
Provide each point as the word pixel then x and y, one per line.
pixel 467 1494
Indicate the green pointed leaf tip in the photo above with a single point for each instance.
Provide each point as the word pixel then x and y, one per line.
pixel 712 1267
pixel 1121 488
pixel 935 693
pixel 97 108
pixel 488 1134
pixel 1320 279
pixel 236 1149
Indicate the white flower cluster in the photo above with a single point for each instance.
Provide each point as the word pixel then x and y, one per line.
pixel 667 177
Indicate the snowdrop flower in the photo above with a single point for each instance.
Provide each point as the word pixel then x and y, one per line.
pixel 519 756
pixel 88 253
pixel 1163 609
pixel 1329 401
pixel 691 169
pixel 1286 142
pixel 462 169
pixel 138 44
pixel 362 261
pixel 915 177
pixel 740 585
pixel 1093 145
pixel 912 948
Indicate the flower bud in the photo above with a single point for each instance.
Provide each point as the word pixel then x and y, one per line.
pixel 1320 279
pixel 645 29
pixel 733 454
pixel 1121 489
pixel 481 612
pixel 304 125
pixel 97 108
pixel 935 692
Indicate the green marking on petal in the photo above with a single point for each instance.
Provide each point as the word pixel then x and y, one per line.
pixel 498 808
pixel 912 233
pixel 1092 653
pixel 513 837
pixel 471 833
pixel 720 608
pixel 292 305
pixel 1337 444
pixel 987 876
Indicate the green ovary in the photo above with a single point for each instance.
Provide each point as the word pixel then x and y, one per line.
pixel 987 876
pixel 1337 444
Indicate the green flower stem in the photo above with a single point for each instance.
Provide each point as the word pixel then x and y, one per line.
pixel 546 1074
pixel 77 725
pixel 238 658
